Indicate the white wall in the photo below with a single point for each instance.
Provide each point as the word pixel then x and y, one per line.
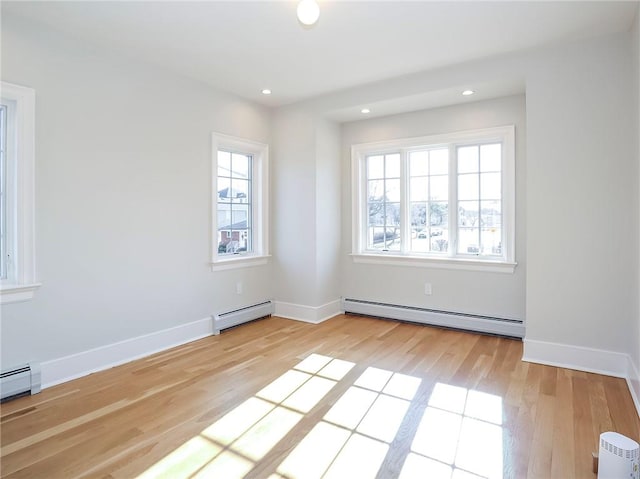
pixel 306 192
pixel 491 294
pixel 123 197
pixel 582 281
pixel 328 211
pixel 294 207
pixel 634 336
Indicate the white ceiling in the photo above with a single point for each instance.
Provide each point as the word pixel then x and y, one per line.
pixel 243 47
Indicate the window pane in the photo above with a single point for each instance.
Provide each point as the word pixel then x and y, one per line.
pixel 439 241
pixel 468 188
pixel 240 191
pixel 224 163
pixel 419 189
pixel 392 166
pixel 439 214
pixel 420 241
pixel 418 216
pixel 491 157
pixel 375 167
pixel 469 240
pixel 439 188
pixel 468 159
pixel 376 238
pixel 233 205
pixel 239 216
pixel 224 189
pixel 393 190
pixel 419 163
pixel 490 186
pixel 491 241
pixel 382 238
pixel 376 213
pixel 393 214
pixel 491 214
pixel 240 165
pixel 468 213
pixel 376 190
pixel 439 161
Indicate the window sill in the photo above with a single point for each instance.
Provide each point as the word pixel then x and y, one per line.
pixel 14 293
pixel 490 266
pixel 239 261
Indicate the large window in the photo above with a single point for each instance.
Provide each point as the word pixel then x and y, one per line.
pixel 240 201
pixel 446 201
pixel 17 161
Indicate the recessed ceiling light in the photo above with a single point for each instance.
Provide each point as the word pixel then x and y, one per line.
pixel 468 92
pixel 365 110
pixel 266 91
pixel 308 12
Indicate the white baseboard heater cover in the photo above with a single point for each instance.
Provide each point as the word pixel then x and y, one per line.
pixel 242 315
pixel 20 381
pixel 482 324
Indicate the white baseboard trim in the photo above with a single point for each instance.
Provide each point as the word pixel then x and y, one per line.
pixel 633 381
pixel 576 357
pixel 74 366
pixel 308 314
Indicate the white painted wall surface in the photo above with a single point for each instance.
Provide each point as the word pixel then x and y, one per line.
pixel 306 204
pixel 294 207
pixel 491 294
pixel 634 336
pixel 328 210
pixel 122 197
pixel 581 180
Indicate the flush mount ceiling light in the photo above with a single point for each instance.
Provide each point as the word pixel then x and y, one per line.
pixel 266 91
pixel 308 12
pixel 468 92
pixel 365 110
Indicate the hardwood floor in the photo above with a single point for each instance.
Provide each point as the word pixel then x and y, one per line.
pixel 373 397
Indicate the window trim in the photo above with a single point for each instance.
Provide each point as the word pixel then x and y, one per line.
pixel 21 284
pixel 359 152
pixel 260 210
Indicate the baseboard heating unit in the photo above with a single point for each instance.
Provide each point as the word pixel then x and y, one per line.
pixel 242 315
pixel 471 322
pixel 20 381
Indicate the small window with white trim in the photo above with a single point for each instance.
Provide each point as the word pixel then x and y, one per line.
pixel 17 163
pixel 240 208
pixel 443 201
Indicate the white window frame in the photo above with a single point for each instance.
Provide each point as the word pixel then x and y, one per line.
pixel 454 260
pixel 260 198
pixel 20 284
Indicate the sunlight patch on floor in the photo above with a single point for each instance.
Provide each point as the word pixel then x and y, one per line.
pixel 232 425
pixel 459 435
pixel 374 379
pixel 313 363
pixel 384 418
pixel 336 369
pixel 228 465
pixel 461 429
pixel 361 457
pixel 282 387
pixel 313 455
pixel 420 467
pixel 259 440
pixel 309 394
pixel 184 461
pixel 349 410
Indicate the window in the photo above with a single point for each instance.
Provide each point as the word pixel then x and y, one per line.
pixel 240 181
pixel 17 250
pixel 444 201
